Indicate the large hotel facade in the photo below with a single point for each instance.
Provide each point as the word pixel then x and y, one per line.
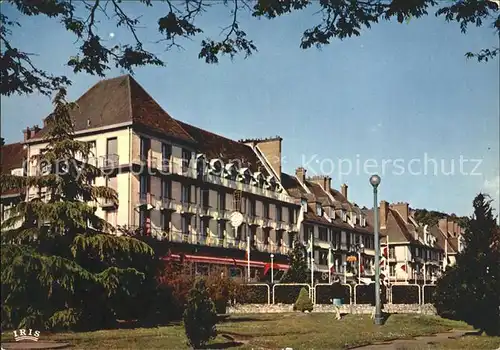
pixel 205 197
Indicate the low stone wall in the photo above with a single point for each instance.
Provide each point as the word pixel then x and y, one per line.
pixel 426 309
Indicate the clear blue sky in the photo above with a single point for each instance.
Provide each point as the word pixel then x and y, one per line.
pixel 400 91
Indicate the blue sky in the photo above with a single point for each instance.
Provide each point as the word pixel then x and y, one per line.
pixel 400 92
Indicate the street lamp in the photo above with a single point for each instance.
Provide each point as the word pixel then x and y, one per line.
pixel 272 268
pixel 375 182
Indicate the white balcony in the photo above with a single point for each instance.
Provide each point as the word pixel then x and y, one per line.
pixel 222 181
pixel 168 204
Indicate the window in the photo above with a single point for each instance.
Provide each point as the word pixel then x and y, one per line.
pixel 279 237
pixel 303 202
pixel 221 201
pixel 144 185
pixel 186 157
pixel 323 257
pixel 266 210
pixel 166 153
pixel 92 147
pixel 165 220
pixel 111 158
pixel 266 234
pixel 323 234
pixel 319 211
pixel 252 207
pixel 205 198
pixel 291 215
pixel 144 219
pixel 220 229
pixel 185 221
pixel 392 252
pixel 166 189
pixel 417 252
pixel 392 270
pixel 186 194
pixel 336 239
pixel 145 147
pixel 279 213
pixel 204 227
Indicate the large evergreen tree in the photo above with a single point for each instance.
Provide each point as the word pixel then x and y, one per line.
pixel 62 267
pixel 298 271
pixel 470 290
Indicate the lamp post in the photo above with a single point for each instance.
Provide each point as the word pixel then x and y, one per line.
pixel 272 268
pixel 375 182
pixel 359 248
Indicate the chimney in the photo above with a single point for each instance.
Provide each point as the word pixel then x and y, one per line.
pixel 27 133
pixel 328 183
pixel 271 149
pixel 443 225
pixel 323 180
pixel 451 228
pixel 301 174
pixel 343 190
pixel 384 210
pixel 402 209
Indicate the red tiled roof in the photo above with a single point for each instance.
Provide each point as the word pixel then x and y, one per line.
pixel 120 100
pixel 11 157
pixel 397 230
pixel 292 186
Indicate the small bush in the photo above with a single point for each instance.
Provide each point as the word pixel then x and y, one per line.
pixel 303 302
pixel 200 316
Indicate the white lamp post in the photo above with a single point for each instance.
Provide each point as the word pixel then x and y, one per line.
pixel 375 182
pixel 361 246
pixel 272 268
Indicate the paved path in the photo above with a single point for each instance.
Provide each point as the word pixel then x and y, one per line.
pixel 34 345
pixel 415 342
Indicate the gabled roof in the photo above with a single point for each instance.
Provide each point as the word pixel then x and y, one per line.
pixel 396 228
pixel 441 240
pixel 120 100
pixel 11 157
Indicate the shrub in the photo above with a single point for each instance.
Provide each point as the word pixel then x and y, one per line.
pixel 222 289
pixel 200 316
pixel 402 294
pixel 251 294
pixel 176 281
pixel 303 302
pixel 286 294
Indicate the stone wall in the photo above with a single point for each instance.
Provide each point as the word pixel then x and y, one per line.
pixel 427 309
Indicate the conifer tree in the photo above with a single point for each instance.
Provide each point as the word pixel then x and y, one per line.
pixel 297 272
pixel 61 265
pixel 470 290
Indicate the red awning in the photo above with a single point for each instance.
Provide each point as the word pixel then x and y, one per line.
pixel 224 261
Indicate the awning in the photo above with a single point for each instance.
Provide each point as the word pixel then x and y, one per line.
pixel 276 267
pixel 322 245
pixel 223 261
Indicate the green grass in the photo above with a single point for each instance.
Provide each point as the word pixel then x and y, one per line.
pixel 272 331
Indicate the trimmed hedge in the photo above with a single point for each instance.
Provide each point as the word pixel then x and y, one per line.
pixel 251 294
pixel 326 293
pixel 402 294
pixel 365 294
pixel 429 294
pixel 287 294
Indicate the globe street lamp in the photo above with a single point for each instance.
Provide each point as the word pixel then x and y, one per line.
pixel 375 182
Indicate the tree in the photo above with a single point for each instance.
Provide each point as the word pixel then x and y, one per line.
pixel 303 302
pixel 431 217
pixel 61 265
pixel 470 290
pixel 297 272
pixel 341 19
pixel 200 316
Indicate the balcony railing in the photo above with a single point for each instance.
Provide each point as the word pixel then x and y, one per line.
pixel 189 208
pixel 206 211
pixel 219 180
pixel 146 198
pixel 253 220
pixel 109 161
pixel 150 162
pixel 223 214
pixel 168 204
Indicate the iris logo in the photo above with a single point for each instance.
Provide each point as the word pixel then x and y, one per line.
pixel 26 334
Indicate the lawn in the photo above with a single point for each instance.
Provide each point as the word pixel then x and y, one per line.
pixel 272 331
